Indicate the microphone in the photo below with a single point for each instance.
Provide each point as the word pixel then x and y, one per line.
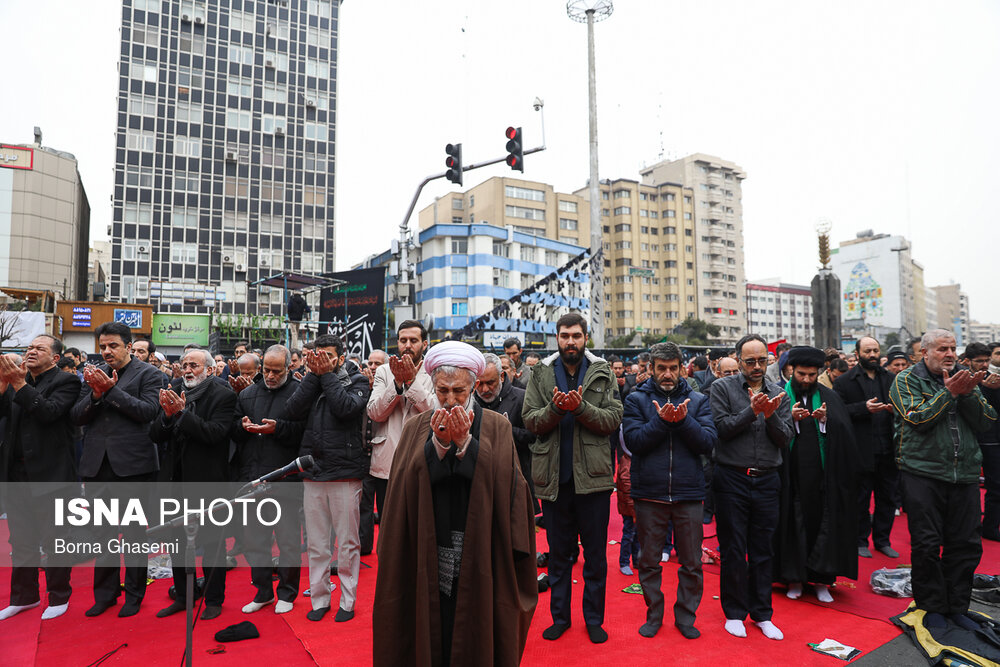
pixel 300 464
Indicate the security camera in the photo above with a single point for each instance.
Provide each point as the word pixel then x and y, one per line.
pixel 538 103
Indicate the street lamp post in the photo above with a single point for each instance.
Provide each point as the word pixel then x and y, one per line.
pixel 590 12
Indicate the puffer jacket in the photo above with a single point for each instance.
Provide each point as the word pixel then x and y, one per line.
pixel 333 405
pixel 598 416
pixel 666 457
pixel 935 431
pixel 258 453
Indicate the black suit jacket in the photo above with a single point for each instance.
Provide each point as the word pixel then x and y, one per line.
pixel 38 419
pixel 118 423
pixel 196 441
pixel 851 388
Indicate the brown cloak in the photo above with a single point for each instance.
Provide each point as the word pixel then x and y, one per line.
pixel 497 585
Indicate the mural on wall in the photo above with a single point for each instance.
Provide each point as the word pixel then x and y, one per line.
pixel 862 295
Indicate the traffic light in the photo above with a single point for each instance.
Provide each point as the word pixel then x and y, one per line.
pixel 454 163
pixel 515 149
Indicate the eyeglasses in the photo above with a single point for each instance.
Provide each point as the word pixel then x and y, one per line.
pixel 760 361
pixel 190 365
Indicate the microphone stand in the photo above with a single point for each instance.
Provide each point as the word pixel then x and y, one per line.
pixel 191 531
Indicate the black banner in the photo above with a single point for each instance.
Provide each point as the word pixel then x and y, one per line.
pixel 360 323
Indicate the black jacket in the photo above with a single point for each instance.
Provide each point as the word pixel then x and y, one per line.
pixel 118 423
pixel 196 441
pixel 851 388
pixel 259 454
pixel 38 421
pixel 991 435
pixel 333 405
pixel 511 402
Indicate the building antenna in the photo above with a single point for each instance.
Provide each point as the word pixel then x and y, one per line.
pixel 659 124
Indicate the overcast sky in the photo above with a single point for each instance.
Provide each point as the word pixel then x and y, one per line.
pixel 878 115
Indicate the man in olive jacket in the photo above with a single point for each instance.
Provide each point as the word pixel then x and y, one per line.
pixel 571 406
pixel 938 413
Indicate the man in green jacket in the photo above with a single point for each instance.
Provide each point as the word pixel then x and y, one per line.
pixel 571 406
pixel 937 415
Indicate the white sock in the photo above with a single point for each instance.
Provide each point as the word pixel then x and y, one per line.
pixel 15 609
pixel 53 611
pixel 823 593
pixel 735 627
pixel 794 591
pixel 770 630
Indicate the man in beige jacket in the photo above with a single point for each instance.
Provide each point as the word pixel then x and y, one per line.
pixel 400 390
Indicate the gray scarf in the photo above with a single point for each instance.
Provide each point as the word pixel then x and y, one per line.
pixel 194 393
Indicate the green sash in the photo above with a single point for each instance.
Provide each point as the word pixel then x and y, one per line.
pixel 816 403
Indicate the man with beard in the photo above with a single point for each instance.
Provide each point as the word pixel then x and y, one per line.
pixel 977 355
pixel 401 389
pixel 668 483
pixel 116 404
pixel 754 422
pixel 332 399
pixel 267 440
pixel 501 396
pixel 572 407
pixel 142 348
pixel 194 428
pixel 35 457
pixel 456 577
pixel 937 415
pixel 865 391
pixel 618 368
pixel 819 490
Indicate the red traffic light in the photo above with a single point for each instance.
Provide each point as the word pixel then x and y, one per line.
pixel 511 132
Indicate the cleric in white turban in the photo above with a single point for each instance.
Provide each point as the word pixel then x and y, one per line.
pixel 456 547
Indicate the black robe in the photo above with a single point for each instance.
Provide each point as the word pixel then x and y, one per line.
pixel 834 551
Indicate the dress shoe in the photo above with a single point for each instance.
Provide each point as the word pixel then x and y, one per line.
pixel 175 607
pixel 130 608
pixel 688 631
pixel 210 612
pixel 597 634
pixel 317 614
pixel 99 608
pixel 253 606
pixel 864 552
pixel 888 551
pixel 343 615
pixel 555 631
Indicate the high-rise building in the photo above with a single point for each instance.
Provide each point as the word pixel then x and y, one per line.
pixel 224 170
pixel 984 332
pixel 717 187
pixel 649 246
pixel 44 220
pixel 777 310
pixel 882 286
pixel 953 312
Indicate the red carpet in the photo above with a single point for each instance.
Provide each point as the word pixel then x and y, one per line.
pixel 857 617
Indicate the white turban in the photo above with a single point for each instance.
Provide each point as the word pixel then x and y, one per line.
pixel 455 353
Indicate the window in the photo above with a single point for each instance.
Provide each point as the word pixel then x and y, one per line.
pixel 141 105
pixel 268 225
pixel 276 190
pixel 643 213
pixel 569 239
pixel 239 86
pixel 567 223
pixel 314 195
pixel 241 54
pixel 238 20
pixel 456 203
pixel 524 212
pixel 643 196
pixel 459 275
pixel 146 34
pixel 146 5
pixel 184 253
pixel 670 214
pixel 314 228
pixel 277 30
pixel 188 112
pixel 271 123
pixel 501 249
pixel 524 193
pixel 143 70
pixel 235 187
pixel 316 36
pixel 134 212
pixel 186 182
pixel 317 68
pixel 623 245
pixel 187 146
pixel 623 210
pixel 278 60
pixel 567 206
pixel 316 131
pixel 669 230
pixel 141 177
pixel 318 99
pixel 184 218
pixel 187 79
pixel 623 261
pixel 459 246
pixel 193 8
pixel 191 42
pixel 622 194
pixel 460 307
pixel 527 253
pixel 687 199
pixel 274 92
pixel 137 140
pixel 238 120
pixel 319 7
pixel 551 258
pixel 623 227
pixel 312 262
pixel 276 158
pixel 687 216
